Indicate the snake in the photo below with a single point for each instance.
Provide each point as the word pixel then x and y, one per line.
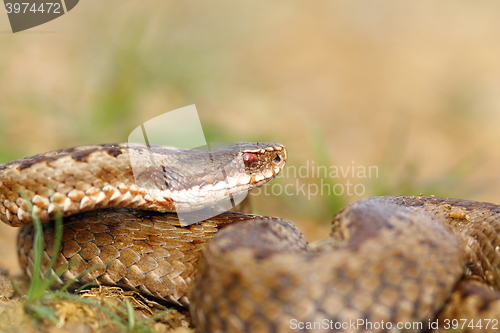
pixel 401 263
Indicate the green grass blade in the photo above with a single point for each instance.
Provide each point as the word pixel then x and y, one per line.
pixel 36 289
pixel 56 247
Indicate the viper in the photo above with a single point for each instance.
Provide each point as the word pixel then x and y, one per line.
pixel 391 263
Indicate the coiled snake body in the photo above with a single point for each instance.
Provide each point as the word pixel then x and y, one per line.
pixel 392 263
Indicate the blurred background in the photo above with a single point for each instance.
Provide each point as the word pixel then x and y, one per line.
pixel 407 92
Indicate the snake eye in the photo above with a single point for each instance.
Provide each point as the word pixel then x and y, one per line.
pixel 250 160
pixel 277 159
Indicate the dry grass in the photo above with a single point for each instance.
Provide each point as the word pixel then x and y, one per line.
pixel 103 309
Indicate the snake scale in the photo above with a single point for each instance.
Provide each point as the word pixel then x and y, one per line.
pixel 390 264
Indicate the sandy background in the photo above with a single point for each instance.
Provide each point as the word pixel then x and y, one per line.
pixel 410 88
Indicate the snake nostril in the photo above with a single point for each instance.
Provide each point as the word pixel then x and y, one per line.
pixel 277 159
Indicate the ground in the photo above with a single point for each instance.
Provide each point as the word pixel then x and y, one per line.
pixel 98 309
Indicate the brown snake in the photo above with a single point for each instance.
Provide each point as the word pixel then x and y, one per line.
pixel 410 261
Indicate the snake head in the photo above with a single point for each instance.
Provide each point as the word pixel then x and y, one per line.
pixel 214 180
pixel 262 161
